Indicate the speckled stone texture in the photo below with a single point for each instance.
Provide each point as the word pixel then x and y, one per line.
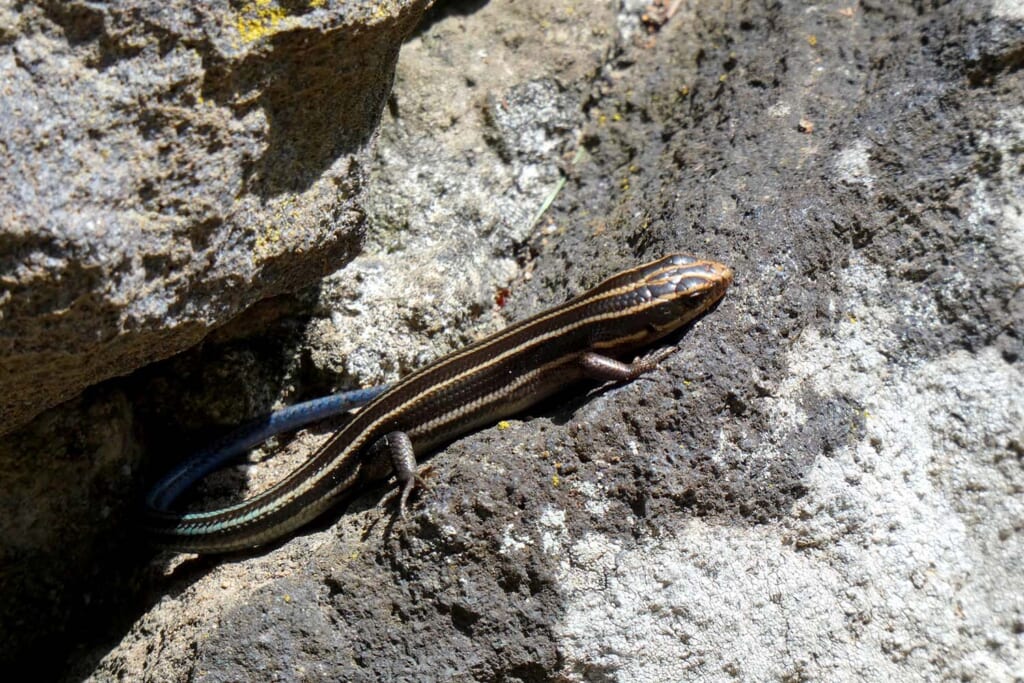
pixel 825 482
pixel 165 165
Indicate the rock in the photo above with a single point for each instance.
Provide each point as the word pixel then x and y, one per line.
pixel 824 482
pixel 165 166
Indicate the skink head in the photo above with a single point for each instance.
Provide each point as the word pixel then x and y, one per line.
pixel 682 287
pixel 657 298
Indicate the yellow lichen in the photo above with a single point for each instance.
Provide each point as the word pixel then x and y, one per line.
pixel 258 19
pixel 266 240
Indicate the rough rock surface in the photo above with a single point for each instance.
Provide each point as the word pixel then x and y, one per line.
pixel 165 165
pixel 825 482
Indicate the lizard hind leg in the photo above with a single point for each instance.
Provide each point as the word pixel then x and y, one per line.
pixel 394 452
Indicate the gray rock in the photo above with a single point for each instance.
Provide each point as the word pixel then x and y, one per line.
pixel 824 482
pixel 163 166
pixel 166 165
